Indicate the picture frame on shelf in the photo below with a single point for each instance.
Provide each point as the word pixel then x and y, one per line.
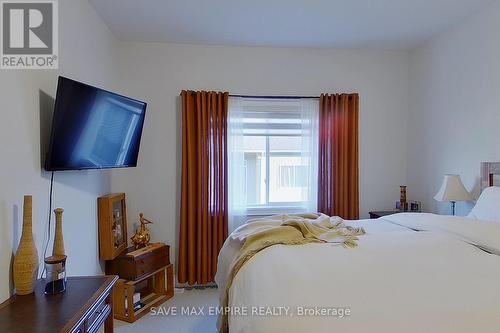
pixel 112 213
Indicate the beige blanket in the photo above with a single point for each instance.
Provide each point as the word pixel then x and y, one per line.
pixel 287 230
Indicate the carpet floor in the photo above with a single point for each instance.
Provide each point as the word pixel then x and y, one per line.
pixel 186 312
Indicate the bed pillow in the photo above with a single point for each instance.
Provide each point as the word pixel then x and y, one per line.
pixel 488 205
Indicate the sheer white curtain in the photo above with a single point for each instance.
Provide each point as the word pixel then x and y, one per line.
pixel 282 117
pixel 236 165
pixel 309 110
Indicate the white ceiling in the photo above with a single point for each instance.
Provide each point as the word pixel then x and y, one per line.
pixel 395 24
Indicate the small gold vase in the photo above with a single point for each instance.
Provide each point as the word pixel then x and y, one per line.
pixel 26 258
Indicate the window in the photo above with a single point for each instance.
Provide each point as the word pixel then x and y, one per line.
pixel 272 155
pixel 270 165
pixel 293 176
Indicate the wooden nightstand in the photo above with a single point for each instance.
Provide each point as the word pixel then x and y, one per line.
pixel 377 214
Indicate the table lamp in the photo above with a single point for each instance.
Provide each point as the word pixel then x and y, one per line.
pixel 452 190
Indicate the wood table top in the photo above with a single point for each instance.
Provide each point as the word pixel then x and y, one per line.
pixel 39 313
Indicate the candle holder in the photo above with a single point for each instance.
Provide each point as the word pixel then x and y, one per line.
pixel 55 281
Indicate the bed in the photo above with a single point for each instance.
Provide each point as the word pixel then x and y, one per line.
pixel 412 272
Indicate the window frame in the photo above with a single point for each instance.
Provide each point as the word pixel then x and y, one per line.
pixel 271 118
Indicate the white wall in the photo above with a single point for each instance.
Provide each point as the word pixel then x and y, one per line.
pixel 87 53
pixel 157 73
pixel 455 106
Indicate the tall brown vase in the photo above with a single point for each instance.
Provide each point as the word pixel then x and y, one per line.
pixel 58 248
pixel 26 258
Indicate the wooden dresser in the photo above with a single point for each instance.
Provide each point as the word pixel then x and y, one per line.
pixel 83 308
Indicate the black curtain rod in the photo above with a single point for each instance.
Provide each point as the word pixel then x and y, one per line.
pixel 274 97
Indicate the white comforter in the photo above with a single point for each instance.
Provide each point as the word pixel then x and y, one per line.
pixel 396 280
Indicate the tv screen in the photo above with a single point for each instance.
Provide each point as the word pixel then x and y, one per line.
pixel 93 128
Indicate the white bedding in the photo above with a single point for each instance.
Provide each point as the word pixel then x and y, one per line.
pixel 396 280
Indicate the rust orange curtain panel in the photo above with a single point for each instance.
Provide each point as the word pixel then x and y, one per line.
pixel 338 174
pixel 204 214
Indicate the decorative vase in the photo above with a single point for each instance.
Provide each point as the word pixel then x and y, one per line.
pixel 26 258
pixel 402 198
pixel 58 248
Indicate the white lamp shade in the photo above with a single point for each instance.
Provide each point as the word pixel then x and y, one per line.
pixel 453 189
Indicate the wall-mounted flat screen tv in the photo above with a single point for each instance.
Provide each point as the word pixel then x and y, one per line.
pixel 93 128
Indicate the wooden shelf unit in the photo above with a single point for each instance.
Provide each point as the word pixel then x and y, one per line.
pixel 147 270
pixel 159 287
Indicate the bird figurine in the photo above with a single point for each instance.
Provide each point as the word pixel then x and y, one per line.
pixel 141 237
